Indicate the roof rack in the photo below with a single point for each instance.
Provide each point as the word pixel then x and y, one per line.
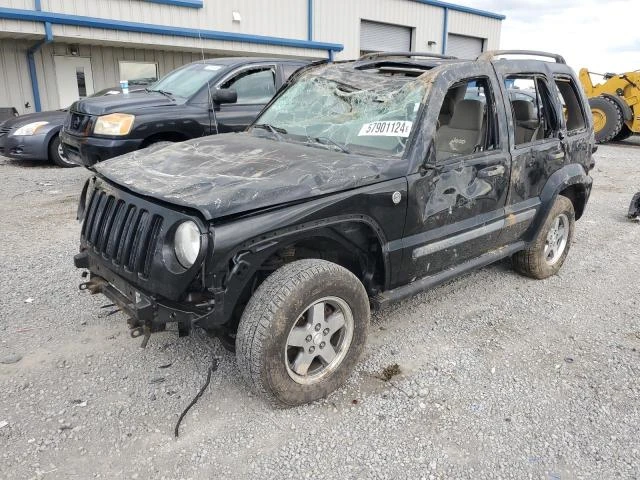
pixel 370 56
pixel 491 54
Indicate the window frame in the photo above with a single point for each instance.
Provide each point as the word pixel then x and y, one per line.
pixel 535 77
pixel 258 67
pixel 572 84
pixel 491 100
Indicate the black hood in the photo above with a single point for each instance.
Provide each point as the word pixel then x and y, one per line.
pixel 233 173
pixel 53 116
pixel 125 103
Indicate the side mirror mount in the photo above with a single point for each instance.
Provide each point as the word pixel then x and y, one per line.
pixel 224 95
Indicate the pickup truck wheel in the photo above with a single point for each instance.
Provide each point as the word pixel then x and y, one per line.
pixel 302 332
pixel 57 156
pixel 551 246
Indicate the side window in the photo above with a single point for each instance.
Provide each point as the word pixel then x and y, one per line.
pixel 532 109
pixel 571 106
pixel 254 87
pixel 467 121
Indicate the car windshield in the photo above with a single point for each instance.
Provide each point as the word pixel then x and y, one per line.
pixel 339 108
pixel 187 81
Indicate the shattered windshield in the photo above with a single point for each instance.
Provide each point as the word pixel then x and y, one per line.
pixel 346 110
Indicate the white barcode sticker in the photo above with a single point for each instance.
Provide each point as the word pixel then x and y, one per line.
pixel 387 128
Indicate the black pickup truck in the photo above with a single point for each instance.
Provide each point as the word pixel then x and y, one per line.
pixel 361 183
pixel 203 98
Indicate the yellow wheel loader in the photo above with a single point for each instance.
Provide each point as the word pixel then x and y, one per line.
pixel 615 104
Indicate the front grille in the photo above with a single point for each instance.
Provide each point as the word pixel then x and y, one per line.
pixel 121 232
pixel 4 131
pixel 78 123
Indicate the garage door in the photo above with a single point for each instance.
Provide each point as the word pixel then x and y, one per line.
pixel 383 37
pixel 462 46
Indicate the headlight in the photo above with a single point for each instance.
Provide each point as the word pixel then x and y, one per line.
pixel 30 128
pixel 114 124
pixel 186 243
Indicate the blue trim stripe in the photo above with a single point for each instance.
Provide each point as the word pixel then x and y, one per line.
pixel 310 20
pixel 445 30
pixel 460 8
pixel 180 3
pixel 35 88
pixel 121 25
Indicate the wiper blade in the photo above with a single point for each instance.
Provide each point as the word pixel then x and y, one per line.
pixel 163 92
pixel 277 131
pixel 329 141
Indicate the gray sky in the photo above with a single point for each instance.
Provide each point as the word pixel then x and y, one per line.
pixel 603 36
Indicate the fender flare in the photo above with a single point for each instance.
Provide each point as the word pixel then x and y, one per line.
pixel 627 113
pixel 567 176
pixel 248 257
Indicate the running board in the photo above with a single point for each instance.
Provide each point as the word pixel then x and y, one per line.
pixel 400 293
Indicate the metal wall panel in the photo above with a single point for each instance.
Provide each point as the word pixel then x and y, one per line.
pixel 15 86
pixel 284 18
pixel 382 37
pixel 475 26
pixel 339 21
pixel 463 46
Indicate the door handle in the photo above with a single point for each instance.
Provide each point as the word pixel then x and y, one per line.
pixel 493 171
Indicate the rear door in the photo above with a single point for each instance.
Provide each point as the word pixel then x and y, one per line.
pixel 255 85
pixel 457 196
pixel 575 126
pixel 536 141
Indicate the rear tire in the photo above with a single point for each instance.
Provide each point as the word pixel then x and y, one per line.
pixel 302 332
pixel 607 119
pixel 547 253
pixel 56 155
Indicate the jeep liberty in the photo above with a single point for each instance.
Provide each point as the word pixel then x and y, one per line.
pixel 361 183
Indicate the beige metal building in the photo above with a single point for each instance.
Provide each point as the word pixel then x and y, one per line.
pixel 55 51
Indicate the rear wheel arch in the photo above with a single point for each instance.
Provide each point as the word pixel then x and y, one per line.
pixel 570 181
pixel 577 193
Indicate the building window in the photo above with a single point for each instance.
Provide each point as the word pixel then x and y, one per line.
pixel 139 73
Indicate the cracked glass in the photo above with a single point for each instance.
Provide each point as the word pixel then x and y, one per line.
pixel 369 112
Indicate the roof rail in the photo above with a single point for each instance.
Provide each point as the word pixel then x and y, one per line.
pixel 491 54
pixel 370 56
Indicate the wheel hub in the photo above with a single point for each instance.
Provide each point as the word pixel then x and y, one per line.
pixel 319 340
pixel 556 241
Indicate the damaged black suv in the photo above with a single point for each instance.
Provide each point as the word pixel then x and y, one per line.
pixel 360 183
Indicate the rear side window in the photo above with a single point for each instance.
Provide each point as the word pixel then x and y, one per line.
pixel 532 109
pixel 571 106
pixel 467 121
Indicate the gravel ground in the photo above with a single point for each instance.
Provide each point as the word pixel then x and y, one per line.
pixel 501 376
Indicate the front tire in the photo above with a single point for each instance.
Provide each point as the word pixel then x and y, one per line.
pixel 57 156
pixel 547 253
pixel 302 332
pixel 607 119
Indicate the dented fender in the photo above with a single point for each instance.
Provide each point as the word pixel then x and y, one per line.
pixel 567 176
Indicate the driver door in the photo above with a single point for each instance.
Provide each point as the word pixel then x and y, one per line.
pixel 457 196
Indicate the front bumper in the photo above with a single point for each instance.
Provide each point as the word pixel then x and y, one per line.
pixel 144 310
pixel 25 147
pixel 88 151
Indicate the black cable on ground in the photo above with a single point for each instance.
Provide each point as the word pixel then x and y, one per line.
pixel 212 368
